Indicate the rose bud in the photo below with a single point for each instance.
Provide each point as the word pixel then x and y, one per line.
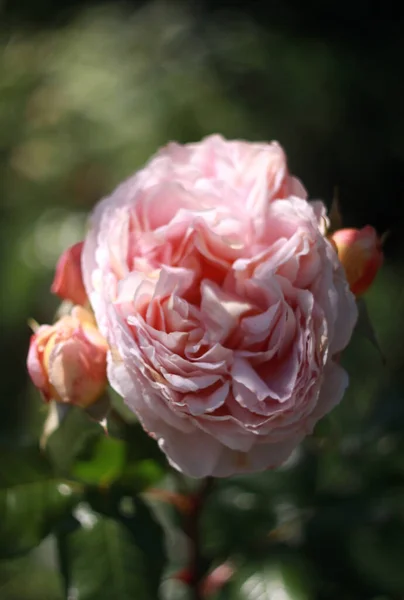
pixel 360 252
pixel 67 360
pixel 68 281
pixel 216 579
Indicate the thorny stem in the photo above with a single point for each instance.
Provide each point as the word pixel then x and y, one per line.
pixel 192 529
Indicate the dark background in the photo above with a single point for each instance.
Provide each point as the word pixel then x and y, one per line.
pixel 89 90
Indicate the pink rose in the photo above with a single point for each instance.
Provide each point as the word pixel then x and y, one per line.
pixel 67 360
pixel 222 302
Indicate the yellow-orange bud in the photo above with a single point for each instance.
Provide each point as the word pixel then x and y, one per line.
pixel 360 253
pixel 67 360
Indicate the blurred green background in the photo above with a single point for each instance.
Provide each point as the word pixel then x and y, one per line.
pixel 88 91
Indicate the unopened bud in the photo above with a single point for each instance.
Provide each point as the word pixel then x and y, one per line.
pixel 68 282
pixel 67 360
pixel 360 252
pixel 216 579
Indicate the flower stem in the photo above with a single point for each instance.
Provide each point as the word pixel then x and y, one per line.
pixel 196 567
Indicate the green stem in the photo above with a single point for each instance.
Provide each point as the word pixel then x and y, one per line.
pixel 192 529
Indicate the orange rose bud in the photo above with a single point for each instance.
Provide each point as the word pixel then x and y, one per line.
pixel 68 282
pixel 360 252
pixel 67 360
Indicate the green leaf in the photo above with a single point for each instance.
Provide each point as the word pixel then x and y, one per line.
pixel 377 554
pixel 106 463
pixel 140 444
pixel 113 556
pixel 138 518
pixel 141 474
pixel 120 410
pixel 365 327
pixel 100 409
pixel 145 464
pixel 56 414
pixel 72 440
pixel 30 578
pixel 105 460
pixel 80 448
pixel 236 519
pixel 32 501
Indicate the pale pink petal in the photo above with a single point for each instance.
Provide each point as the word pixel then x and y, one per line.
pixel 222 303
